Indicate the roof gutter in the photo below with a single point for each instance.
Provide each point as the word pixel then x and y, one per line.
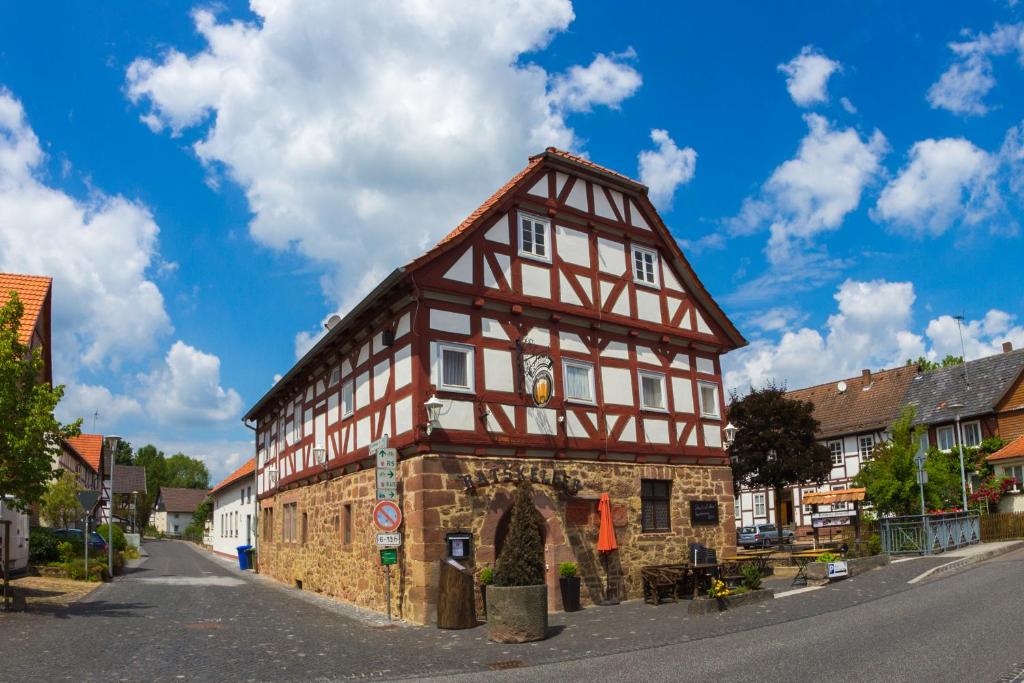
pixel 378 292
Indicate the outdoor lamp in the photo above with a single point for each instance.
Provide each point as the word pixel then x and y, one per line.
pixel 730 434
pixel 959 436
pixel 112 443
pixel 320 456
pixel 433 406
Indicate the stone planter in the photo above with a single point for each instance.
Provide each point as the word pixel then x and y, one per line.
pixel 817 572
pixel 705 605
pixel 570 587
pixel 517 614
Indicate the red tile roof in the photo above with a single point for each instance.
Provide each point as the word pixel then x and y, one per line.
pixel 245 470
pixel 865 404
pixel 32 291
pixel 1014 449
pixel 90 447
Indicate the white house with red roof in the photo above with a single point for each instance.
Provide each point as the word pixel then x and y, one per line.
pixel 234 511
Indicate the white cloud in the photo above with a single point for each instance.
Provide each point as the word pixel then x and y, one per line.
pixel 847 105
pixel 663 170
pixel 84 400
pixel 944 181
pixel 813 192
pixel 963 86
pixel 361 133
pixel 186 389
pixel 105 307
pixel 871 329
pixel 607 81
pixel 777 318
pixel 807 76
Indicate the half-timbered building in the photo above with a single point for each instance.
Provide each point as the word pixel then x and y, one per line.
pixel 567 340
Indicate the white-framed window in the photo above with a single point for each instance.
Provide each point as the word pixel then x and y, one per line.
pixel 335 377
pixel 972 433
pixel 759 506
pixel 836 449
pixel 534 237
pixel 579 381
pixel 923 444
pixel 866 446
pixel 652 390
pixel 645 266
pixel 708 399
pixel 945 437
pixel 1015 471
pixel 454 367
pixel 839 506
pixel 348 398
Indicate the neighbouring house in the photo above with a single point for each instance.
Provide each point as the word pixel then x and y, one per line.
pixel 234 511
pixel 92 449
pixel 129 486
pixel 173 509
pixel 73 461
pixel 854 415
pixel 985 394
pixel 557 335
pixel 1009 462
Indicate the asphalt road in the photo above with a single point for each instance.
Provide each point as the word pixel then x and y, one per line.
pixel 185 616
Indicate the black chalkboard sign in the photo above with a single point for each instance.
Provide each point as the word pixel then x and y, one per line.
pixel 704 512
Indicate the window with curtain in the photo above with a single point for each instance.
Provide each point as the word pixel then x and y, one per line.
pixel 348 405
pixel 652 391
pixel 454 367
pixel 654 504
pixel 579 381
pixel 944 435
pixel 708 399
pixel 972 434
pixel 759 505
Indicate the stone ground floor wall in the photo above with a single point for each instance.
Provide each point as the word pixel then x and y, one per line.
pixel 446 494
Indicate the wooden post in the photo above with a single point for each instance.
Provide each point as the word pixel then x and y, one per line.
pixel 456 599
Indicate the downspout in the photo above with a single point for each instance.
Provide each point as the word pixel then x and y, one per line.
pixel 255 502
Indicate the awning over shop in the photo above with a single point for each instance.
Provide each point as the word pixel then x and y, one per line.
pixel 840 496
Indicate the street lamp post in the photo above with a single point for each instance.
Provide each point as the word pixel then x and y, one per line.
pixel 960 449
pixel 922 478
pixel 112 443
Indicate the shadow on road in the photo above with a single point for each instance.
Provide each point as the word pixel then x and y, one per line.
pixel 102 608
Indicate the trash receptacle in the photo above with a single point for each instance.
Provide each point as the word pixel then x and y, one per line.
pixel 243 556
pixel 250 557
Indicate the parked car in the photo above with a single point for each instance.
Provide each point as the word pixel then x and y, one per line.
pixel 761 535
pixel 96 542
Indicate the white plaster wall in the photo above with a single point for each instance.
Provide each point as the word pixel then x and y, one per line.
pixel 536 281
pixel 618 386
pixel 713 435
pixel 656 431
pixel 498 370
pixel 229 502
pixel 363 432
pixel 648 305
pixel 611 256
pixel 447 321
pixel 457 415
pixel 682 395
pixel 705 365
pixel 362 392
pixel 403 415
pixel 543 421
pixel 573 246
pixel 492 329
pixel 381 375
pixel 403 366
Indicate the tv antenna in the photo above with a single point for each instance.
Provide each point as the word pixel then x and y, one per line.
pixel 963 353
pixel 95 416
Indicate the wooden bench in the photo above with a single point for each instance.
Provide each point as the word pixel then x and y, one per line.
pixel 664 582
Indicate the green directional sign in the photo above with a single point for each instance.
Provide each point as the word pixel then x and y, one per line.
pixel 388 556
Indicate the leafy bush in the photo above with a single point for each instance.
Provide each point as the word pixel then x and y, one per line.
pixel 76 569
pixel 567 570
pixel 521 562
pixel 828 557
pixel 150 531
pixel 42 546
pixel 66 550
pixel 120 542
pixel 131 553
pixel 874 544
pixel 486 576
pixel 751 576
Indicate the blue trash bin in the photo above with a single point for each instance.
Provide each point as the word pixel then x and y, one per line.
pixel 243 556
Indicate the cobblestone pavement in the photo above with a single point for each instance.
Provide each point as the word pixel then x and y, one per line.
pixel 183 615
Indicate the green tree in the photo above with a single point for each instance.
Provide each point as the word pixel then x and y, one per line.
pixel 928 365
pixel 30 436
pixel 521 561
pixel 177 471
pixel 775 444
pixel 59 505
pixel 890 477
pixel 183 472
pixel 203 513
pixel 123 455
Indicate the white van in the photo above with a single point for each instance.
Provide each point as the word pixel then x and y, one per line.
pixel 19 536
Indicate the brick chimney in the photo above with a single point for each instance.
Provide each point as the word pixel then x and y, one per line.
pixel 866 375
pixel 1007 346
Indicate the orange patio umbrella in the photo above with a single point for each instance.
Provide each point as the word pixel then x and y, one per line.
pixel 606 533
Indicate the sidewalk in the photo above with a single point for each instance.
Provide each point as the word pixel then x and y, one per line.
pixel 964 557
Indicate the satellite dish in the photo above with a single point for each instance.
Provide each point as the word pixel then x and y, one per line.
pixel 332 321
pixel 841 387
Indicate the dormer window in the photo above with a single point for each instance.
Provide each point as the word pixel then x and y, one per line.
pixel 534 237
pixel 645 266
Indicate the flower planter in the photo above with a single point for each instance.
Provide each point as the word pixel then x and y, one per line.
pixel 517 614
pixel 570 586
pixel 705 605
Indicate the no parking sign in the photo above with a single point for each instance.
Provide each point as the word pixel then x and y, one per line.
pixel 387 516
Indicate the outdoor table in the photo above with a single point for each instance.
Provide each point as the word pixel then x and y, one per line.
pixel 802 559
pixel 760 557
pixel 702 573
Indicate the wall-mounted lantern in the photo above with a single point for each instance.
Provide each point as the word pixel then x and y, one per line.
pixel 320 456
pixel 730 434
pixel 433 406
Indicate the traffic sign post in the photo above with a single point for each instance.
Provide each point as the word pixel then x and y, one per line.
pixel 387 516
pixel 387 471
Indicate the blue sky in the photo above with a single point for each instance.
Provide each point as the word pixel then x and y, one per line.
pixel 206 185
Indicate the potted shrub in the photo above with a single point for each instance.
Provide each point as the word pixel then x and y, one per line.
pixel 517 601
pixel 569 583
pixel 486 577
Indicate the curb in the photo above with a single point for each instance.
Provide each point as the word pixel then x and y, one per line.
pixel 962 562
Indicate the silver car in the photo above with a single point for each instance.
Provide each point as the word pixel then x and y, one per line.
pixel 761 535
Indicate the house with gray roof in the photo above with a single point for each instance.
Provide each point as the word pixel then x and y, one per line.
pixel 974 391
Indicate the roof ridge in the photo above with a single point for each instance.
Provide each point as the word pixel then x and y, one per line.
pixel 855 377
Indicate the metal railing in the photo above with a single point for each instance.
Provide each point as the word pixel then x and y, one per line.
pixel 917 535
